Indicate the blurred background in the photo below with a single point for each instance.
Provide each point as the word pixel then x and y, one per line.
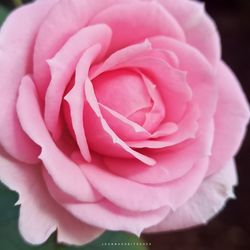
pixel 230 230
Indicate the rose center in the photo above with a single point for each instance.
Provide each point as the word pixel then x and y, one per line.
pixel 123 91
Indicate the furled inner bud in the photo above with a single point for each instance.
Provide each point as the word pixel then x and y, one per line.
pixel 123 91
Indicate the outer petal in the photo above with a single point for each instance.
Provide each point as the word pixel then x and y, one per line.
pixel 208 201
pixel 40 215
pixel 199 28
pixel 134 22
pixel 106 215
pixel 231 117
pixel 15 49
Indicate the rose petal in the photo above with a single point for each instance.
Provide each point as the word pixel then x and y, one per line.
pixel 165 129
pixel 75 99
pixel 133 22
pixel 145 197
pixel 16 46
pixel 55 31
pixel 60 167
pixel 200 75
pixel 170 164
pixel 62 67
pixel 200 30
pixel 187 129
pixel 100 136
pixel 118 58
pixel 123 127
pixel 37 206
pixel 213 192
pixel 101 215
pixel 114 88
pixel 157 113
pixel 171 82
pixel 231 118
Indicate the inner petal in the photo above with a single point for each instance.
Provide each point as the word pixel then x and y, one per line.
pixel 123 91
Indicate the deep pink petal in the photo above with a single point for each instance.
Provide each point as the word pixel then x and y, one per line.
pixel 187 129
pixel 165 129
pixel 99 134
pixel 157 113
pixel 40 215
pixel 200 30
pixel 206 202
pixel 114 88
pixel 231 118
pixel 16 45
pixel 123 127
pixel 58 165
pixel 170 82
pixel 133 22
pixel 63 65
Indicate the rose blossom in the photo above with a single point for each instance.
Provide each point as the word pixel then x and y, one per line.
pixel 116 115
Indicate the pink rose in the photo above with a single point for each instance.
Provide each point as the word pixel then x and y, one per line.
pixel 118 115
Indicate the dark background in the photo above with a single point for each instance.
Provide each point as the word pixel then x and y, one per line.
pixel 230 230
